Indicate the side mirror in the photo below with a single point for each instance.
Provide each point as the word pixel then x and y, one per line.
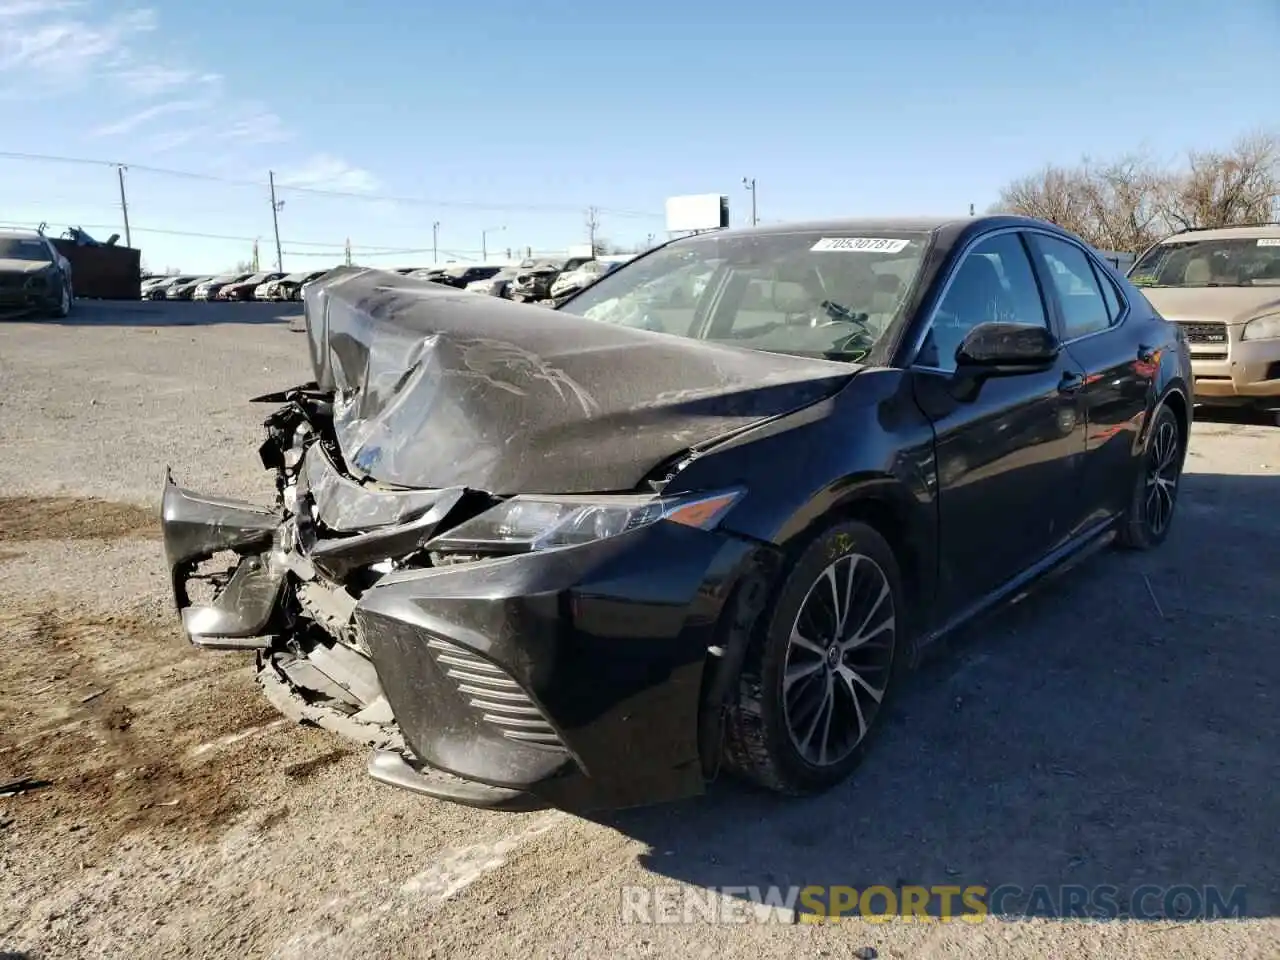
pixel 1007 350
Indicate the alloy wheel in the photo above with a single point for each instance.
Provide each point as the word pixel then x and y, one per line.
pixel 1162 478
pixel 838 659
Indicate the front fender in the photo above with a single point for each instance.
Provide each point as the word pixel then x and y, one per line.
pixel 866 452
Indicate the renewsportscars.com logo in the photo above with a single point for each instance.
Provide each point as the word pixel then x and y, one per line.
pixel 671 904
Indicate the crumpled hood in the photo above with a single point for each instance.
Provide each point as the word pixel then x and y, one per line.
pixel 1225 304
pixel 436 387
pixel 24 266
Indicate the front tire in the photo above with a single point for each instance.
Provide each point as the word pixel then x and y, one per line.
pixel 1147 520
pixel 63 307
pixel 816 681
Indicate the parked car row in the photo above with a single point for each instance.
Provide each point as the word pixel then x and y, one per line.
pixel 535 279
pixel 233 286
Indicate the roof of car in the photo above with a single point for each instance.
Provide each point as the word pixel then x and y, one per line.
pixel 1252 232
pixel 848 225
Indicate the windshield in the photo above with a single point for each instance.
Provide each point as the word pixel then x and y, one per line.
pixel 803 293
pixel 23 248
pixel 1233 262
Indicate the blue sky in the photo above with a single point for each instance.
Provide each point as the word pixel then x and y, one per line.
pixel 506 115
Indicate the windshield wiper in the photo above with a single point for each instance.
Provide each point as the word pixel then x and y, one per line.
pixel 837 312
pixel 846 356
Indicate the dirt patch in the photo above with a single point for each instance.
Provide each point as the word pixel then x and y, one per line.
pixel 74 518
pixel 80 708
pixel 305 769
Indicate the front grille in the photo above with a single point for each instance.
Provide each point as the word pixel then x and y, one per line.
pixel 12 281
pixel 1206 338
pixel 490 690
pixel 1210 333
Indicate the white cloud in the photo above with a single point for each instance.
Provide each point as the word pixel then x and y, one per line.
pixel 10 9
pixel 153 79
pixel 110 62
pixel 253 125
pixel 143 117
pixel 329 172
pixel 45 48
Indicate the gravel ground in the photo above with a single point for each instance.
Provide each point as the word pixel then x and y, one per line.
pixel 1117 729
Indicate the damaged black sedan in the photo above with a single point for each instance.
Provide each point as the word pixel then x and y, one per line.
pixel 699 517
pixel 34 276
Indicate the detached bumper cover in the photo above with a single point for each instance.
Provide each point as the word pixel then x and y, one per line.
pixel 570 677
pixel 196 528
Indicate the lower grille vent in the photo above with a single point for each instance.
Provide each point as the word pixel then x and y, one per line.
pixel 488 689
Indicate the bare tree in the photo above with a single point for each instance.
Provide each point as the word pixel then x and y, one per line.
pixel 1055 194
pixel 1121 200
pixel 1127 203
pixel 1222 188
pixel 1110 205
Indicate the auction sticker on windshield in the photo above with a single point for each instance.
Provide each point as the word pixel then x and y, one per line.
pixel 861 244
pixel 1269 242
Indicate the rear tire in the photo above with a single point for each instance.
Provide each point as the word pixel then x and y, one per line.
pixel 1153 504
pixel 817 678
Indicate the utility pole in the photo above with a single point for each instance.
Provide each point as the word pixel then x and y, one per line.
pixel 593 224
pixel 750 184
pixel 484 242
pixel 275 218
pixel 435 242
pixel 347 251
pixel 971 209
pixel 124 207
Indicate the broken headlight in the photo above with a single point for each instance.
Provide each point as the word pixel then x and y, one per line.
pixel 527 523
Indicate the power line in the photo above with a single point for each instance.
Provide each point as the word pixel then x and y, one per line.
pixel 28 224
pixel 325 191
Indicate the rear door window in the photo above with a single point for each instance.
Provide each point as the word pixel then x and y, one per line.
pixel 1084 305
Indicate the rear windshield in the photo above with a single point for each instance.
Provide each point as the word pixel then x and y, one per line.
pixel 1232 262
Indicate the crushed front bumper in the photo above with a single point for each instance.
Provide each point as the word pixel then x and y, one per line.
pixel 573 678
pixel 40 298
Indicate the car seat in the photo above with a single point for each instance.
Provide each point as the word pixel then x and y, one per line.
pixel 888 292
pixel 1197 272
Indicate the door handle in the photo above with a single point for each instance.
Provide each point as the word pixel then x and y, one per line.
pixel 1070 383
